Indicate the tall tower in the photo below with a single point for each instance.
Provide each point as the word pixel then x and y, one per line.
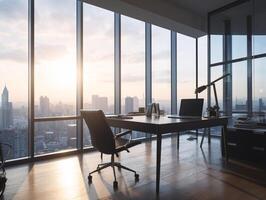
pixel 6 110
pixel 44 106
pixel 129 104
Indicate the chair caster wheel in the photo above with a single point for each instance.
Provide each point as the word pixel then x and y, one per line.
pixel 115 184
pixel 90 179
pixel 136 177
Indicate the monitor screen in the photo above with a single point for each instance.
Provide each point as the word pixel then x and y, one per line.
pixel 191 107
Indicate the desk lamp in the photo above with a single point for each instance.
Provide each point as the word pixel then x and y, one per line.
pixel 213 111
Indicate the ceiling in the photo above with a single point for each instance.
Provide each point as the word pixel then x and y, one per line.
pixel 184 16
pixel 201 7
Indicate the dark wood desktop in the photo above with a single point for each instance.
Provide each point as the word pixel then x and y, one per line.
pixel 162 125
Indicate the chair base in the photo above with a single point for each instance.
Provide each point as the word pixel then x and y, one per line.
pixel 113 165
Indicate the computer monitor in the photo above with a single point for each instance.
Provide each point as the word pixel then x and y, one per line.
pixel 191 107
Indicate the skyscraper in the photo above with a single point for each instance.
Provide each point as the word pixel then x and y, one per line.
pixel 129 105
pixel 6 114
pixel 261 105
pixel 136 103
pixel 99 103
pixel 44 106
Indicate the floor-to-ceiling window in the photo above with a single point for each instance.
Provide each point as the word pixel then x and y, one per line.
pixel 237 38
pixel 186 68
pixel 161 68
pixel 259 92
pixel 98 62
pixel 55 71
pixel 202 68
pixel 132 66
pixel 14 76
pixel 55 74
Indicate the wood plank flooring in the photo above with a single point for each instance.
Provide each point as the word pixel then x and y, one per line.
pixel 190 173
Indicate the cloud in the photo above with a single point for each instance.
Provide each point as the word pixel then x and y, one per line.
pixel 13 10
pixel 133 58
pixel 132 78
pixel 49 52
pixel 162 55
pixel 14 55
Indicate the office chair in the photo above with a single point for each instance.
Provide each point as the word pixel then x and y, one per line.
pixel 103 139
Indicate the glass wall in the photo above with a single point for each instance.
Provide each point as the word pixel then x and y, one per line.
pixel 54 119
pixel 132 66
pixel 186 68
pixel 14 76
pixel 239 85
pixel 241 45
pixel 161 68
pixel 55 71
pixel 217 72
pixel 202 68
pixel 98 62
pixel 259 92
pixel 55 58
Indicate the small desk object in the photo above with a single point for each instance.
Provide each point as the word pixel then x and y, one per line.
pixel 162 125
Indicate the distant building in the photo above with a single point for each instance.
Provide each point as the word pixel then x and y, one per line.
pixel 241 107
pixel 6 112
pixel 129 104
pixel 71 135
pixel 17 138
pixel 99 103
pixel 136 103
pixel 261 105
pixel 44 106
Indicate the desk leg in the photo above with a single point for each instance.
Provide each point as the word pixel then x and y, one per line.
pixel 202 138
pixel 158 162
pixel 225 142
pixel 177 140
pixel 209 135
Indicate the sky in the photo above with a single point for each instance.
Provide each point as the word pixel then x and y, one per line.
pixel 55 55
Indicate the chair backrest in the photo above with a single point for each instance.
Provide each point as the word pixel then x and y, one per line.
pixel 102 137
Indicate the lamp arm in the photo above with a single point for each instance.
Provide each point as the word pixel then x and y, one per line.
pixel 216 98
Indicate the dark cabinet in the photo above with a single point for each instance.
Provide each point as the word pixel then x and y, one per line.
pixel 247 145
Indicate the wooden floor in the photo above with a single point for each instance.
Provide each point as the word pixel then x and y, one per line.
pixel 190 173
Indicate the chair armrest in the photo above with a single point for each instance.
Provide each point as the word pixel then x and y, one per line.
pixel 123 133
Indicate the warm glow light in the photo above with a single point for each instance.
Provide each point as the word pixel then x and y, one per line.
pixel 56 79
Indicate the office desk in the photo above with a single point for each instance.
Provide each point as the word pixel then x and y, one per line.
pixel 162 125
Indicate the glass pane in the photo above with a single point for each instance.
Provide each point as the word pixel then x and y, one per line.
pixel 54 136
pixel 161 68
pixel 230 22
pixel 239 81
pixel 217 72
pixel 239 46
pixel 133 67
pixel 186 68
pixel 203 68
pixel 216 48
pixel 98 72
pixel 133 64
pixel 259 87
pixel 14 76
pixel 259 30
pixel 55 50
pixel 98 58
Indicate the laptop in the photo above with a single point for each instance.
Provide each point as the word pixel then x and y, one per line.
pixel 189 109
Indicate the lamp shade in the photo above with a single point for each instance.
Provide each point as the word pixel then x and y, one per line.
pixel 200 89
